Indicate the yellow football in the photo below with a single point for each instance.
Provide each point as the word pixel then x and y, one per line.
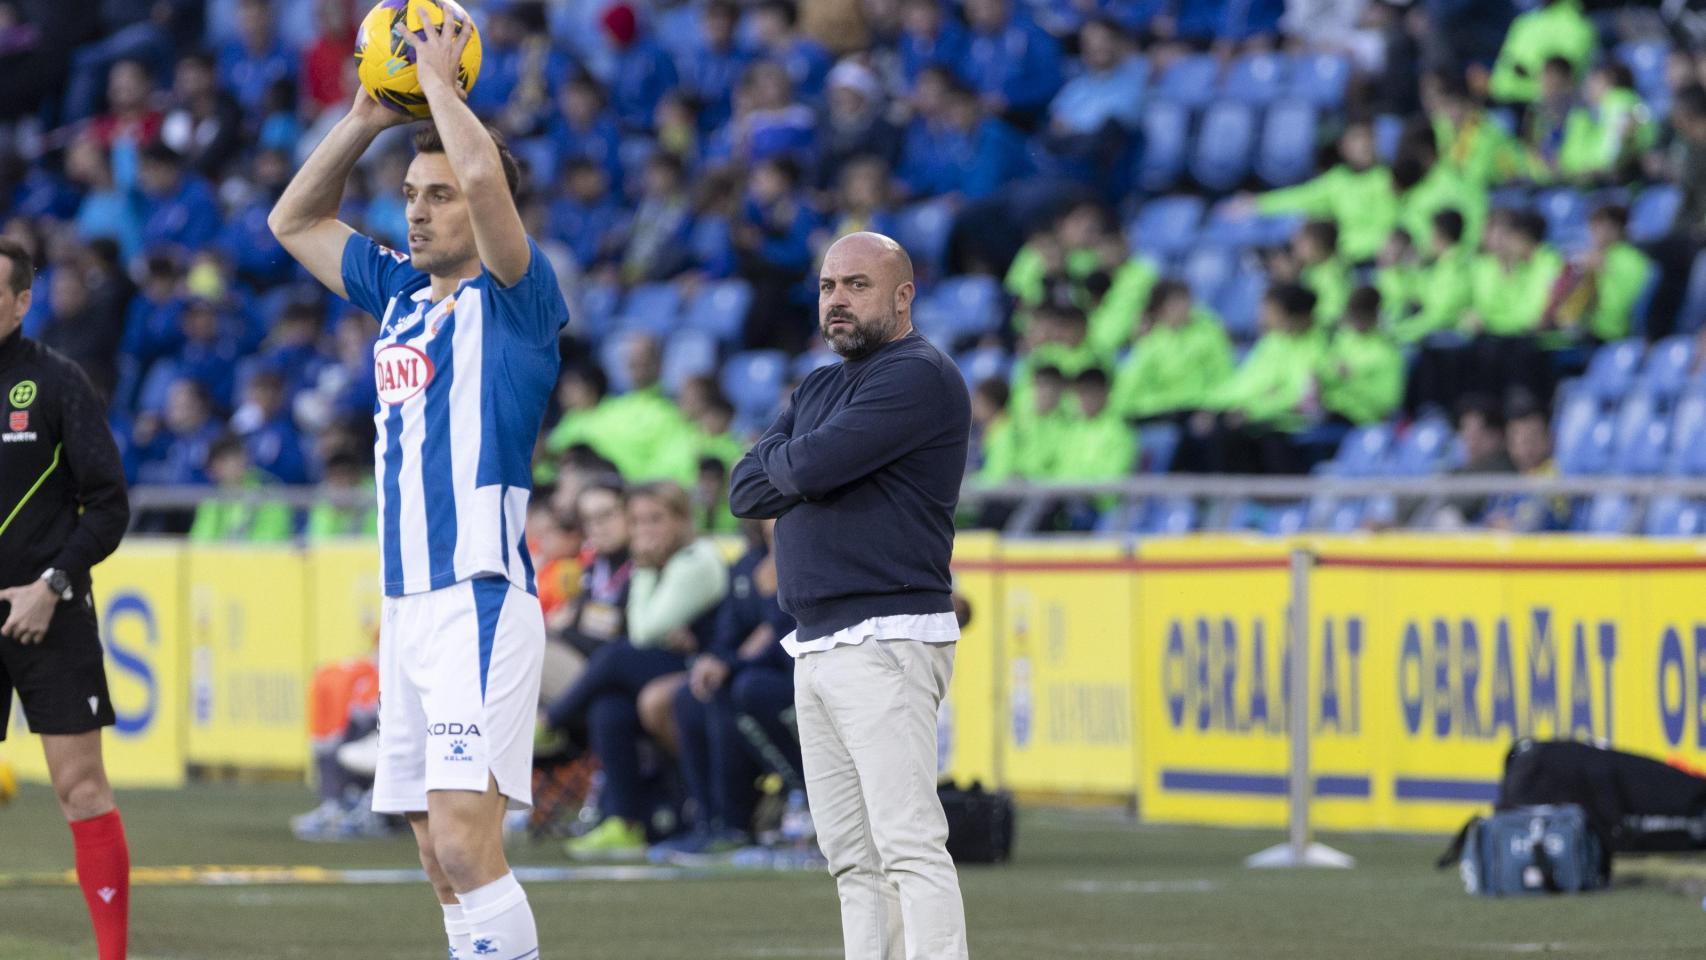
pixel 385 62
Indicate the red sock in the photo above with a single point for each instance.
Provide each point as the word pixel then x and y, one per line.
pixel 103 871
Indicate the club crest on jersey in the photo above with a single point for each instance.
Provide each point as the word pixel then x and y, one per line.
pixel 18 420
pixel 399 372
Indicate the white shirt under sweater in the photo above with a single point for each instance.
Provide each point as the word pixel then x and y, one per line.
pixel 925 627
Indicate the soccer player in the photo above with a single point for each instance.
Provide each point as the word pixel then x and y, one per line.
pixel 465 360
pixel 63 508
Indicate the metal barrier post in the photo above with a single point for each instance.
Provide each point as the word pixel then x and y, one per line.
pixel 1298 850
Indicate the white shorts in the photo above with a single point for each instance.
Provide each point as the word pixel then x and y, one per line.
pixel 458 693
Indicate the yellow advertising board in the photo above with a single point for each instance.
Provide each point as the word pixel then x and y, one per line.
pixel 248 655
pixel 138 598
pixel 968 718
pixel 344 597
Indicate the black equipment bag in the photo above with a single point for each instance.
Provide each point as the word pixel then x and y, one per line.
pixel 1636 804
pixel 980 824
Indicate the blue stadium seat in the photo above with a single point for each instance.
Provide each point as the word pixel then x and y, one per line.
pixel 1388 130
pixel 612 354
pixel 1225 144
pixel 1190 81
pixel 1566 213
pixel 1240 302
pixel 1287 153
pixel 1646 60
pixel 1166 226
pixel 1169 516
pixel 811 360
pixel 720 310
pixel 961 307
pixel 1665 374
pixel 1688 434
pixel 1320 78
pixel 1285 520
pixel 1257 79
pixel 1642 437
pixel 1207 271
pixel 1364 451
pixel 1423 449
pixel 599 305
pixel 1669 515
pixel 1336 514
pixel 1606 514
pixel 1585 445
pixel 1611 372
pixel 1166 142
pixel 687 353
pixel 752 380
pixel 1653 212
pixel 652 307
pixel 923 230
pixel 1692 316
pixel 984 363
pixel 1157 443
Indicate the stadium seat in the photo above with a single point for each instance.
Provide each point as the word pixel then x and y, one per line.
pixel 811 360
pixel 1388 130
pixel 752 380
pixel 1364 451
pixel 1607 514
pixel 1423 449
pixel 1653 212
pixel 1257 79
pixel 1157 443
pixel 1688 434
pixel 1646 59
pixel 961 308
pixel 687 353
pixel 1336 514
pixel 1225 144
pixel 599 304
pixel 1207 270
pixel 1665 373
pixel 1166 226
pixel 652 307
pixel 1287 153
pixel 1190 81
pixel 1166 140
pixel 1286 519
pixel 1320 78
pixel 1566 213
pixel 1692 316
pixel 1240 302
pixel 1169 516
pixel 612 357
pixel 1611 372
pixel 1669 515
pixel 984 363
pixel 720 310
pixel 1643 438
pixel 923 230
pixel 1584 444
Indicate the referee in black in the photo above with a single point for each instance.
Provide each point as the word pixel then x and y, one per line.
pixel 63 509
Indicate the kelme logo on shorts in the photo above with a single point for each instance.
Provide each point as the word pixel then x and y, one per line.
pixel 23 394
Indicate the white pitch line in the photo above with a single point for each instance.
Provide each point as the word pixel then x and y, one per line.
pixel 1140 886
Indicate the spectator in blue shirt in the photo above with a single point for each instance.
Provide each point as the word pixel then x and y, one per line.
pixel 179 208
pixel 775 27
pixel 152 325
pixel 584 128
pixel 929 38
pixel 501 60
pixel 657 239
pixel 855 124
pixel 264 423
pixel 294 346
pixel 643 71
pixel 715 64
pixel 772 240
pixel 1011 63
pixel 1092 119
pixel 260 260
pixel 962 152
pixel 208 356
pixel 172 449
pixel 250 65
pixel 1227 22
pixel 109 209
pixel 587 218
pixel 768 122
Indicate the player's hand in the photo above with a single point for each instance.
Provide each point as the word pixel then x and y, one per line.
pixel 707 677
pixel 438 53
pixel 32 610
pixel 372 114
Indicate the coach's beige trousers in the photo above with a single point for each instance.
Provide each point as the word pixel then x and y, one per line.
pixel 867 719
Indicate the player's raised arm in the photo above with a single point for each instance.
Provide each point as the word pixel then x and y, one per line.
pixel 498 234
pixel 305 219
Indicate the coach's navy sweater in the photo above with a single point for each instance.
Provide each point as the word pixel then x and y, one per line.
pixel 863 471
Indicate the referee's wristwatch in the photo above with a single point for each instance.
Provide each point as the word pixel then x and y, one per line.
pixel 58 582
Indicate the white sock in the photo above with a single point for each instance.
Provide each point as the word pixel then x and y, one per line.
pixel 499 921
pixel 456 928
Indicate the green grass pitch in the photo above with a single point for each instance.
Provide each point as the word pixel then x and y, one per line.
pixel 1083 885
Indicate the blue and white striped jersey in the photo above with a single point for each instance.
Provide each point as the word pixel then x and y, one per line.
pixel 462 388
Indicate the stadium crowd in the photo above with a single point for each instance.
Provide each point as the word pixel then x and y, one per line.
pixel 1198 235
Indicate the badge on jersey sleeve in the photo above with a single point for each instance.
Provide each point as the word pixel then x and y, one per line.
pixel 399 372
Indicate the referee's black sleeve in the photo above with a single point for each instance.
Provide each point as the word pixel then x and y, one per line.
pixel 97 478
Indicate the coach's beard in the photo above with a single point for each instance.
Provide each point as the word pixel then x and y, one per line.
pixel 864 339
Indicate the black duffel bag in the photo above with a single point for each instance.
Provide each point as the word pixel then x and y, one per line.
pixel 980 823
pixel 1636 804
